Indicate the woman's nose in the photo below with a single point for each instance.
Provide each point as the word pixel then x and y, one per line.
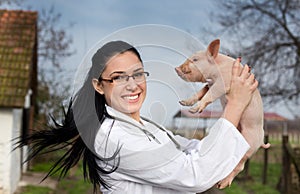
pixel 131 84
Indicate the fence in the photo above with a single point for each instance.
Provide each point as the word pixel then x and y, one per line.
pixel 294 137
pixel 290 160
pixel 290 174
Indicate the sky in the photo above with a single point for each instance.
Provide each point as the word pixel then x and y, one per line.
pixel 95 19
pixel 178 23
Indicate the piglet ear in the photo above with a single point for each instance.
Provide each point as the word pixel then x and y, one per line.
pixel 213 48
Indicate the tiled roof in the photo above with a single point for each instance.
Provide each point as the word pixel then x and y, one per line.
pixel 271 116
pixel 18 45
pixel 206 114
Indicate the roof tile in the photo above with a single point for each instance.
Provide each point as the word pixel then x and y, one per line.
pixel 18 31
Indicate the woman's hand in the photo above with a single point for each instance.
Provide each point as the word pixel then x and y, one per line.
pixel 243 84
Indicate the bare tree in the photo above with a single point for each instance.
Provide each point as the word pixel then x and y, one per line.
pixel 10 2
pixel 267 35
pixel 54 46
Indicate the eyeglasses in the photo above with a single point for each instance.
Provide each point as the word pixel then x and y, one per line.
pixel 138 77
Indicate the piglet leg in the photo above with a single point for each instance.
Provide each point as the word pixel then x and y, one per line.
pixel 228 180
pixel 215 91
pixel 195 98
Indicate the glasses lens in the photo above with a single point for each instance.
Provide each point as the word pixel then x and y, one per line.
pixel 120 79
pixel 139 77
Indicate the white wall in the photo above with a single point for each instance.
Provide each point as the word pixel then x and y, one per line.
pixel 10 162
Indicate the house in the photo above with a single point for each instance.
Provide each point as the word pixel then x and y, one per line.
pixel 202 121
pixel 18 86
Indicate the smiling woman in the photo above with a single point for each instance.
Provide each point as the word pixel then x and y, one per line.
pixel 121 92
pixel 124 152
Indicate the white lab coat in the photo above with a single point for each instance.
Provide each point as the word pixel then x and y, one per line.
pixel 149 166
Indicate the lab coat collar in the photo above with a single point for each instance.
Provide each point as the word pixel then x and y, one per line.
pixel 127 119
pixel 121 116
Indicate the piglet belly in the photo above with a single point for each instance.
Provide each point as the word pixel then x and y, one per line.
pixel 252 122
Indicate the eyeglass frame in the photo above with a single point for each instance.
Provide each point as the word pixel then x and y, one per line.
pixel 112 80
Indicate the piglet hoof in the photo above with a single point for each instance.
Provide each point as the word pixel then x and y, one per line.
pixel 266 146
pixel 224 183
pixel 195 110
pixel 185 103
pixel 182 102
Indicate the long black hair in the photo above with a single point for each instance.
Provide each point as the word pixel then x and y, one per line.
pixel 82 120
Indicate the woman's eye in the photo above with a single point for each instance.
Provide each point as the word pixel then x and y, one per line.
pixel 119 77
pixel 138 74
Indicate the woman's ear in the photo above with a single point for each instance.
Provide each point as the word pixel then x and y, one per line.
pixel 98 86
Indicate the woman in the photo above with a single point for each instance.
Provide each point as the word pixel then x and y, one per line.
pixel 125 153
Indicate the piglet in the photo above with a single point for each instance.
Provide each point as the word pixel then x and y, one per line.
pixel 211 67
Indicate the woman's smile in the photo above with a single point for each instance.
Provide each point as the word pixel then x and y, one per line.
pixel 131 98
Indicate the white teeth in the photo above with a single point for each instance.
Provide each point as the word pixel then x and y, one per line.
pixel 132 97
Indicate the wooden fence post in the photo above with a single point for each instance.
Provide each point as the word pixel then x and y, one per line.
pixel 265 170
pixel 286 164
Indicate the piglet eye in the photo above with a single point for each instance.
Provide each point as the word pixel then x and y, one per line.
pixel 195 59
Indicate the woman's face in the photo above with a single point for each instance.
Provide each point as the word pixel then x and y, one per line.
pixel 127 96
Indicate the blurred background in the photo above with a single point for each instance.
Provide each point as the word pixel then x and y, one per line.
pixel 43 44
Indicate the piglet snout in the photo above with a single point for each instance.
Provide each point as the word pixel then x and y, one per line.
pixel 178 71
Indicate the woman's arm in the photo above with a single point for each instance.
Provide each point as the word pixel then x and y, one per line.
pixel 163 165
pixel 243 84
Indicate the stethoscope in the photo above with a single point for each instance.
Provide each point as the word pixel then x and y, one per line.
pixel 149 134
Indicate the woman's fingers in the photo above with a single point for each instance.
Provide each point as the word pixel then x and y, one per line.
pixel 236 67
pixel 252 82
pixel 250 78
pixel 243 84
pixel 245 72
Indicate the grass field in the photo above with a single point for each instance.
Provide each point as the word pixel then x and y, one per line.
pixel 242 185
pixel 253 184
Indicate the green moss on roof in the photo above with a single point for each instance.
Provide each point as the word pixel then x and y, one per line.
pixel 18 31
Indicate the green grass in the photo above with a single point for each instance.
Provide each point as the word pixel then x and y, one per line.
pixel 71 184
pixel 254 185
pixel 76 185
pixel 36 190
pixel 41 167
